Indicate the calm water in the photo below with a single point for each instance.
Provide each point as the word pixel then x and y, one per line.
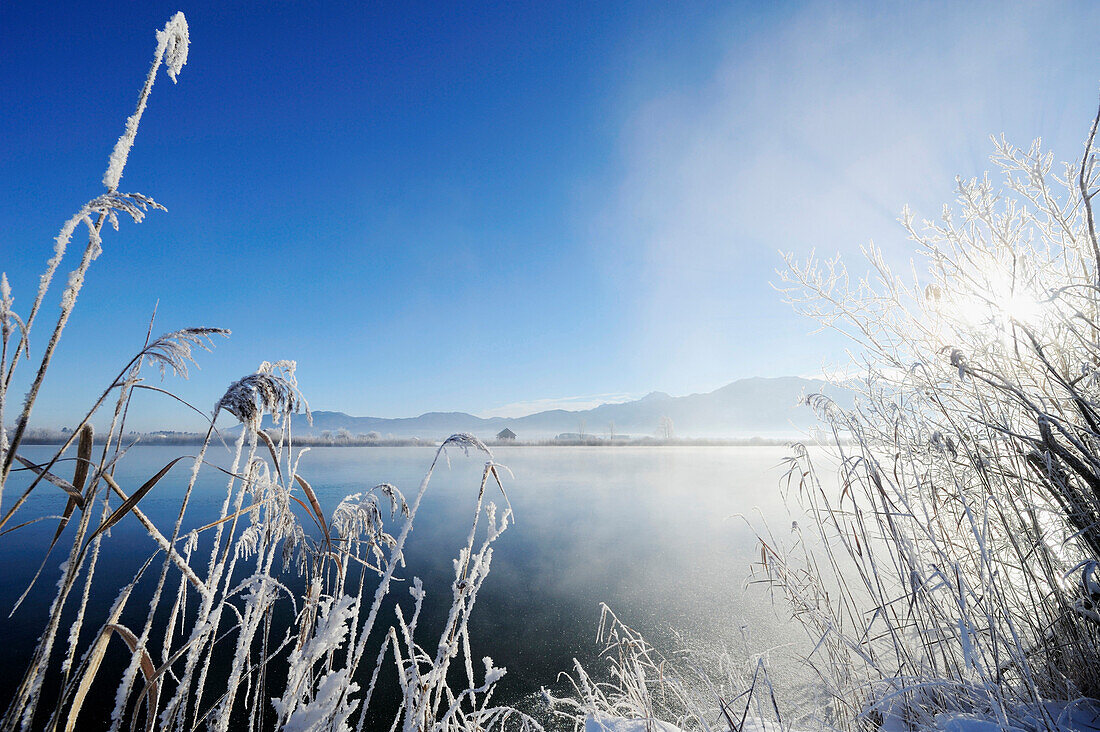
pixel 653 532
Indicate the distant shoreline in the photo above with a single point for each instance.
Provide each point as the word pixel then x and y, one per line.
pixel 146 440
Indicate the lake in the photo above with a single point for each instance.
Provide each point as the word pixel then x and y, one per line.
pixel 655 532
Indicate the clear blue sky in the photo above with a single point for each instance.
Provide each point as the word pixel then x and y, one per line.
pixel 475 206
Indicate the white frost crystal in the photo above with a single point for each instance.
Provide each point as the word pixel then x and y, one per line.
pixel 172 43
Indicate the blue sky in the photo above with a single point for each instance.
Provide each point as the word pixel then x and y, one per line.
pixel 497 207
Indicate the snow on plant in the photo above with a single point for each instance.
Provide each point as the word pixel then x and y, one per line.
pixel 957 555
pixel 306 702
pixel 218 611
pixel 641 690
pixel 271 390
pixel 172 46
pixel 950 580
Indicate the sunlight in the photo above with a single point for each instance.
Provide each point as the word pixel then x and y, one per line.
pixel 1000 303
pixel 1022 308
pixel 442 209
pixel 1006 308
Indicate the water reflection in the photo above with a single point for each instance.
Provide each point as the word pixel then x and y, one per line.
pixel 653 532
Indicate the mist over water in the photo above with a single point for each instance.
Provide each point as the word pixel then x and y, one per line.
pixel 656 533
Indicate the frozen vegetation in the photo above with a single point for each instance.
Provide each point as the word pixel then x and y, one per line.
pixel 214 590
pixel 951 579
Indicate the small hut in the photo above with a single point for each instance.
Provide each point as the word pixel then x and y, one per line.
pixel 506 434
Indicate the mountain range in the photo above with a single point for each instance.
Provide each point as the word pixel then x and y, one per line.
pixel 754 407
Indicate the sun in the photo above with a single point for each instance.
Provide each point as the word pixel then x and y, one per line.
pixel 998 304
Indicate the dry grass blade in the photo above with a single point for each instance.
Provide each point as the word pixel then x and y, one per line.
pixel 83 457
pixel 28 522
pixel 61 483
pixel 339 564
pixel 309 616
pixel 726 715
pixel 152 682
pixel 80 475
pixel 148 669
pixel 94 660
pixel 230 517
pixel 271 448
pixel 320 517
pixel 132 501
pixel 355 559
pixel 70 506
pixel 306 508
pixel 494 471
pixel 158 537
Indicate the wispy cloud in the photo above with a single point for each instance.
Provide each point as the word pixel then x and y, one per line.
pixel 570 403
pixel 814 133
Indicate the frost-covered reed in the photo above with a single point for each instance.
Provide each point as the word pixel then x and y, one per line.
pixel 210 651
pixel 955 569
pixel 639 689
pixel 951 579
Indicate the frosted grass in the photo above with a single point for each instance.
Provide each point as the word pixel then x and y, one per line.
pixel 215 616
pixel 646 530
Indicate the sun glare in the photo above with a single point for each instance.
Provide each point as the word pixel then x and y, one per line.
pixel 1021 308
pixel 1000 303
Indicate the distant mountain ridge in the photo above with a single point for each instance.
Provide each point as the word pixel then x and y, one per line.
pixel 753 407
